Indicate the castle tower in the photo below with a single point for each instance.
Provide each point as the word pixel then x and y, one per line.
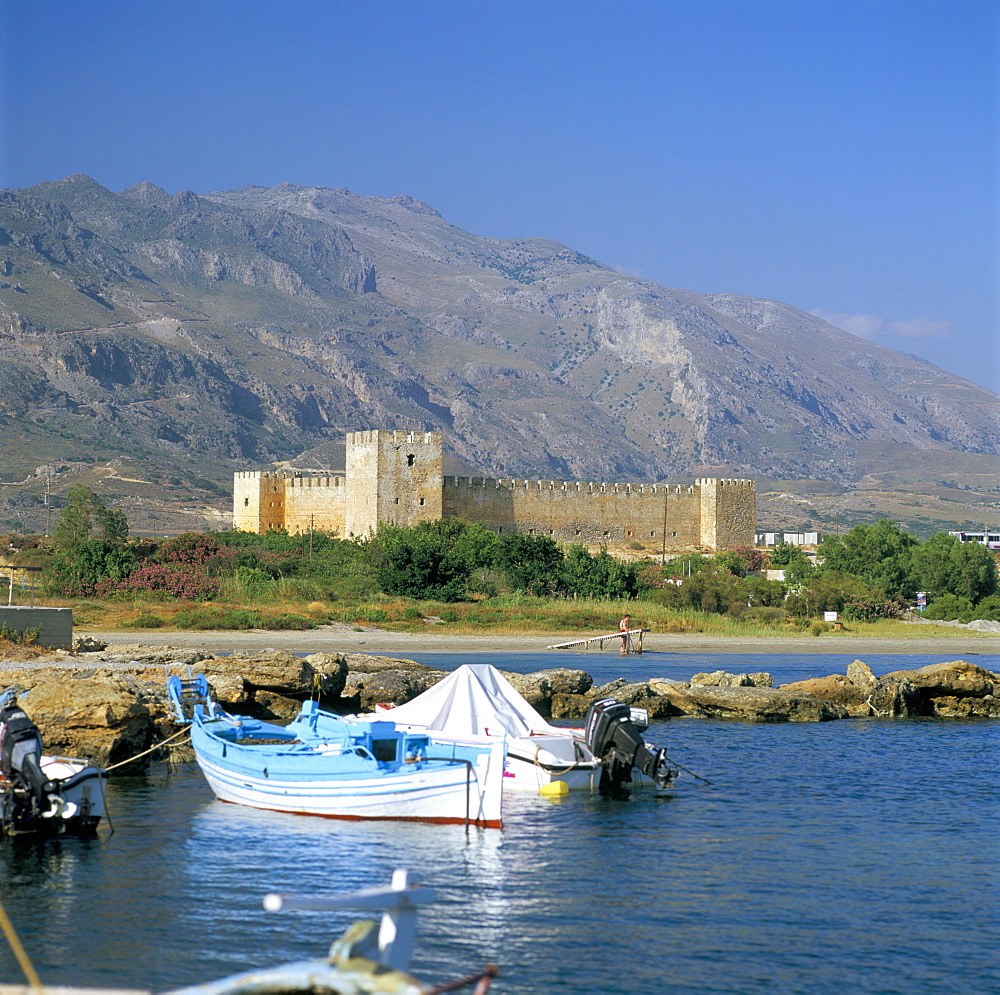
pixel 258 501
pixel 728 512
pixel 392 477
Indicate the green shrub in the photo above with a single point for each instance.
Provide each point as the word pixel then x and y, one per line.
pixel 411 613
pixel 949 607
pixel 147 620
pixel 448 615
pixel 373 615
pixel 988 608
pixel 23 637
pixel 289 620
pixel 201 619
pixel 873 609
pixel 818 628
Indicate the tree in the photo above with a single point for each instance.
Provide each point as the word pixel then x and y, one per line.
pixel 714 589
pixel 530 563
pixel 791 559
pixel 600 576
pixel 878 554
pixel 753 559
pixel 831 591
pixel 84 515
pixel 420 570
pixel 89 540
pixel 426 561
pixel 943 565
pixel 76 571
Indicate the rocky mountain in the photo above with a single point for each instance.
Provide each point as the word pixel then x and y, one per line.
pixel 201 333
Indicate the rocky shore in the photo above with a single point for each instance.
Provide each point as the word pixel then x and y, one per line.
pixel 110 705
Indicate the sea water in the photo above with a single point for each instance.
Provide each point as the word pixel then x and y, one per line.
pixel 849 856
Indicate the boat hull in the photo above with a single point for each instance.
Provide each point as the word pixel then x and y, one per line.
pixel 528 773
pixel 454 789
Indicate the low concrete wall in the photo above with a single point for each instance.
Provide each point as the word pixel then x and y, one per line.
pixel 56 623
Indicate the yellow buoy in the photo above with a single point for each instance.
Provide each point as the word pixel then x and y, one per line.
pixel 554 789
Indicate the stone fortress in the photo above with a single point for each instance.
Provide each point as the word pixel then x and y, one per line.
pixel 397 477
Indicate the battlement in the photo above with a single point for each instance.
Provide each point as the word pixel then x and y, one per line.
pixel 373 436
pixel 569 486
pixel 301 480
pixel 261 475
pixel 725 482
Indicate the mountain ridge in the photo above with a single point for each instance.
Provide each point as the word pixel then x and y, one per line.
pixel 240 328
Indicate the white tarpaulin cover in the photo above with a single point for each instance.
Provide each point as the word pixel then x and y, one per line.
pixel 476 699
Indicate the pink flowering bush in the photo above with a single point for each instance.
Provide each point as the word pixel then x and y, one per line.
pixel 873 609
pixel 192 548
pixel 176 581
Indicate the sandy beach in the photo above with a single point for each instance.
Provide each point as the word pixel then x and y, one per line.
pixel 377 641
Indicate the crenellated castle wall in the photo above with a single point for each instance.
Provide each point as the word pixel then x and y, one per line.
pixel 591 514
pixel 268 500
pixel 396 477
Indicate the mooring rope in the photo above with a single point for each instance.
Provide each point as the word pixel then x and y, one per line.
pixel 186 731
pixel 22 958
pixel 553 772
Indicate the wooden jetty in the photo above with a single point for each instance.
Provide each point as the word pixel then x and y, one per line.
pixel 633 641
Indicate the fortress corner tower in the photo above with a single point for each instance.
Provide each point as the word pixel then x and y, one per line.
pixel 394 477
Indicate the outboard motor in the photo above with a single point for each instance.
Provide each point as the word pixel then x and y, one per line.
pixel 614 736
pixel 20 764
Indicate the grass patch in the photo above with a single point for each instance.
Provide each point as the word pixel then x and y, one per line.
pixel 516 614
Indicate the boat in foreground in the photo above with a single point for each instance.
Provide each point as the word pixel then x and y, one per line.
pixel 328 765
pixel 369 959
pixel 47 795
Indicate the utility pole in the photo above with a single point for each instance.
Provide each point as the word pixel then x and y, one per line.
pixel 48 506
pixel 312 519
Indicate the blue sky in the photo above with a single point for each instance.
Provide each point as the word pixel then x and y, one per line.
pixel 837 155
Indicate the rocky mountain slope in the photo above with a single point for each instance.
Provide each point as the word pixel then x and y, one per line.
pixel 191 335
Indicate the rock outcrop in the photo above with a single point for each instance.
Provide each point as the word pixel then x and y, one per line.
pixel 106 716
pixel 117 710
pixel 277 670
pixel 944 690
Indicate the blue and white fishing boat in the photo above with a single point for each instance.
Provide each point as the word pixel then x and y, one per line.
pixel 346 768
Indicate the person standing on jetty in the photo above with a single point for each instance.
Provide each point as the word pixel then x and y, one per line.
pixel 623 626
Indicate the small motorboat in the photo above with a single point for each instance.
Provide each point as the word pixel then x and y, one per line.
pixel 48 795
pixel 347 768
pixel 476 700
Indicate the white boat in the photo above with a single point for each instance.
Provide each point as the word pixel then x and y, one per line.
pixel 477 702
pixel 328 765
pixel 369 958
pixel 48 795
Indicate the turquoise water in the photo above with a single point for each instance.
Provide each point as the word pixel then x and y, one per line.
pixel 852 856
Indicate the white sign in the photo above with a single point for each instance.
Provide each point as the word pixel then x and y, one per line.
pixel 829 616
